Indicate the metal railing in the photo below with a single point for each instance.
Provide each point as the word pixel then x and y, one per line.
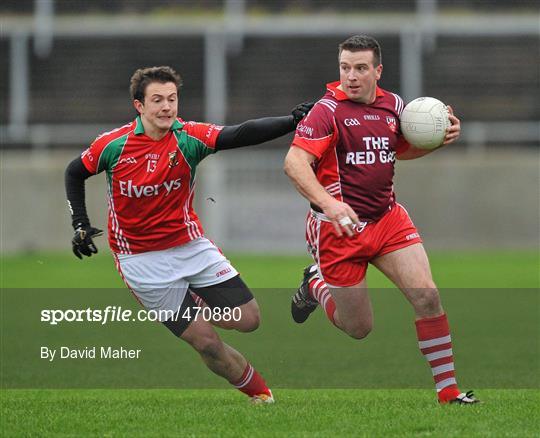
pixel 417 33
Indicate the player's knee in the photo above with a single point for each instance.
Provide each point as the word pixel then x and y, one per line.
pixel 359 331
pixel 250 317
pixel 249 323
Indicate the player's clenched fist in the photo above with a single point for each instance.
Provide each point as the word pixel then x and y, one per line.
pixel 82 243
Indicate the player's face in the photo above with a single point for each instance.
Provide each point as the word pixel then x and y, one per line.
pixel 159 109
pixel 358 75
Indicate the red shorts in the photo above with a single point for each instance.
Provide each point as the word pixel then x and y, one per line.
pixel 343 261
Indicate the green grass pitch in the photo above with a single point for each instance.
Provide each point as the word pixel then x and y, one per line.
pixel 325 383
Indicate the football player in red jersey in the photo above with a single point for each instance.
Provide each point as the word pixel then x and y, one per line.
pixel 155 235
pixel 342 161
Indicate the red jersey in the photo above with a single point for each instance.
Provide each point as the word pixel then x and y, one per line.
pixel 355 146
pixel 150 184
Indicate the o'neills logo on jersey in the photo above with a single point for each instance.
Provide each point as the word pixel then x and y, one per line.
pixel 173 159
pixel 392 124
pixel 371 117
pixel 127 188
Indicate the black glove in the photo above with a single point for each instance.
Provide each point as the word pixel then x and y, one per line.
pixel 82 243
pixel 300 111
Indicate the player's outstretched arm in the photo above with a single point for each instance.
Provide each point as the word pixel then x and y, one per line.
pixel 256 131
pixel 74 178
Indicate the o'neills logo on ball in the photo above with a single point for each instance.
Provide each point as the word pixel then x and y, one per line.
pixel 392 124
pixel 173 158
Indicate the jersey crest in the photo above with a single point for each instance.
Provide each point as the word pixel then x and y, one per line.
pixel 173 159
pixel 392 123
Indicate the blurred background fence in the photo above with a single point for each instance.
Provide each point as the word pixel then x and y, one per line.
pixel 66 71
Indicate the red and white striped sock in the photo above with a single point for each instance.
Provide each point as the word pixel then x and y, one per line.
pixel 436 346
pixel 318 290
pixel 251 383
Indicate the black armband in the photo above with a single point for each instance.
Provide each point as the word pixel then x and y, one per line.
pixel 74 178
pixel 254 132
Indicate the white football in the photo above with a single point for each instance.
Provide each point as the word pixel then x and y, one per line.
pixel 424 122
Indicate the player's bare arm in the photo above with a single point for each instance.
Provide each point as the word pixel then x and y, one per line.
pixel 298 169
pixel 452 134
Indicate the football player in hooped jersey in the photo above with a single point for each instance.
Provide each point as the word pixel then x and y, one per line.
pixel 154 233
pixel 342 160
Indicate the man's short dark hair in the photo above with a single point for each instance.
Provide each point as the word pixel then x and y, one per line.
pixel 145 76
pixel 357 43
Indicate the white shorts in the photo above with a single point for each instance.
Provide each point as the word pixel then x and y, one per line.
pixel 160 279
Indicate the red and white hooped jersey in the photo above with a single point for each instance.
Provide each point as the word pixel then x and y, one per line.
pixel 150 184
pixel 355 146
